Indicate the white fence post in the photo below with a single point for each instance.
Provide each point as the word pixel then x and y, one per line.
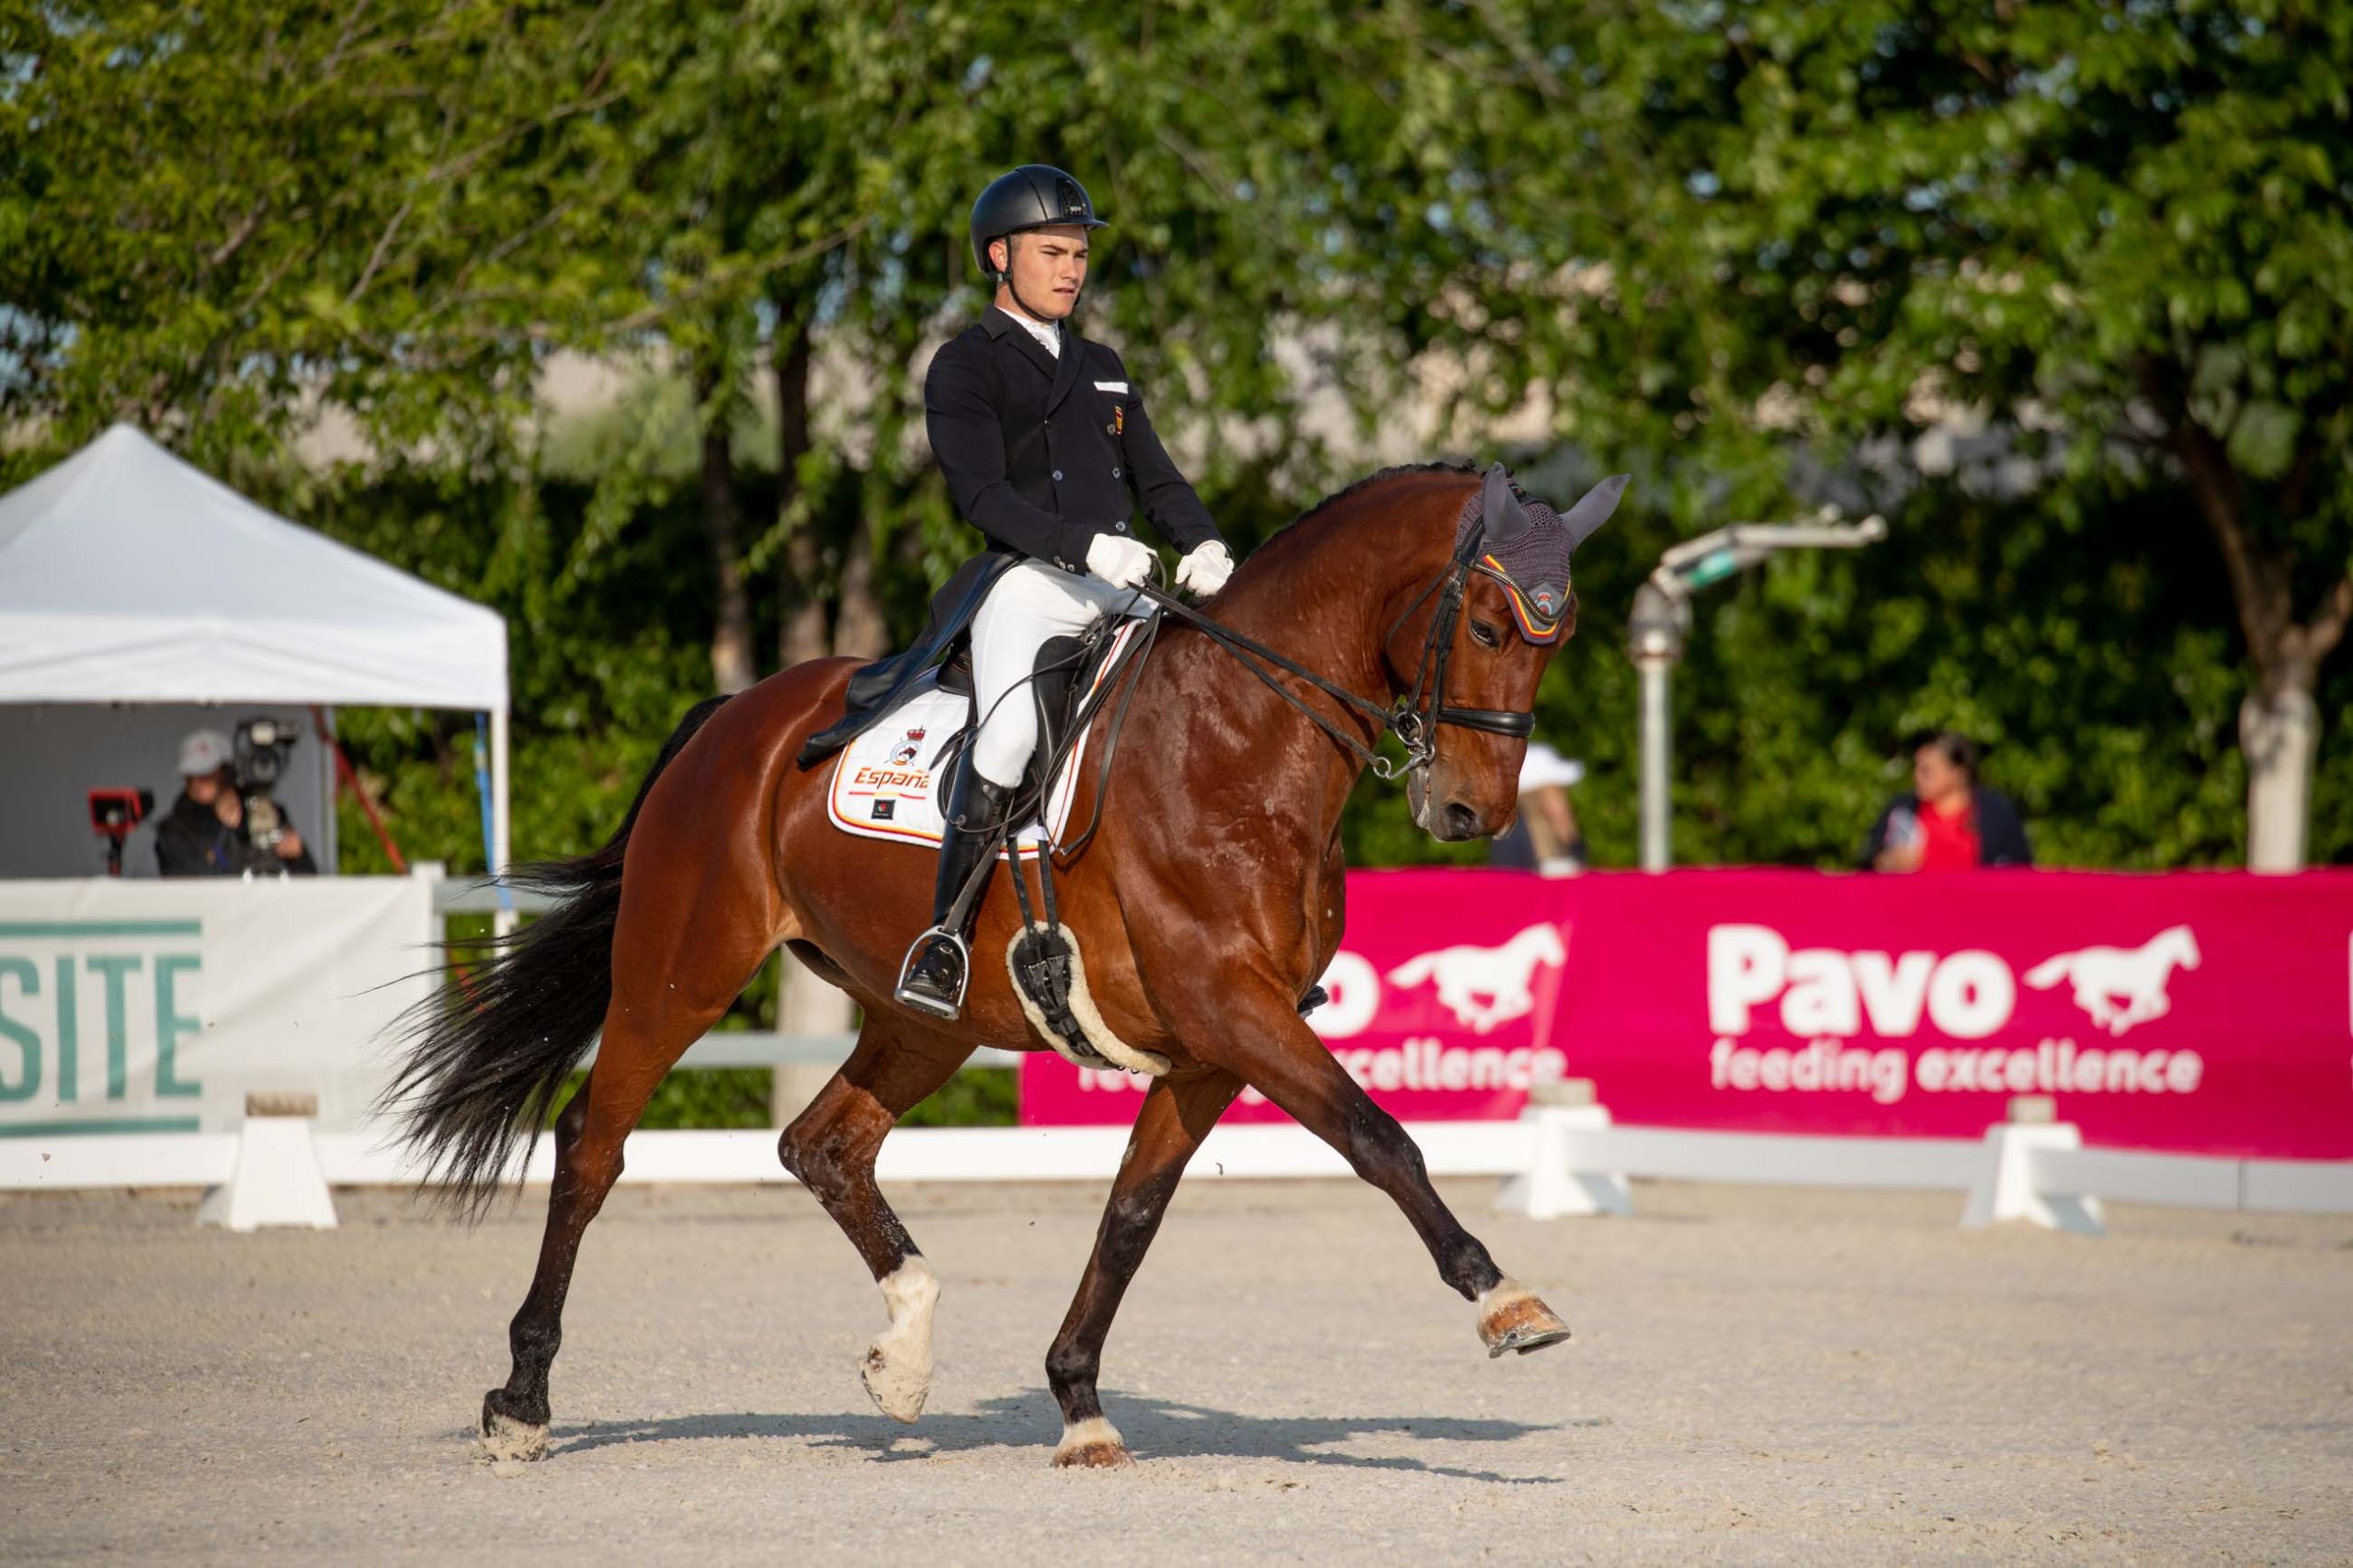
pixel 2006 1187
pixel 276 1179
pixel 1552 1187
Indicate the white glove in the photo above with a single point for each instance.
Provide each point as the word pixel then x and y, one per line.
pixel 1205 569
pixel 1118 560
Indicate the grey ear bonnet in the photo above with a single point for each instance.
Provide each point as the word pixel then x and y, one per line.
pixel 1527 544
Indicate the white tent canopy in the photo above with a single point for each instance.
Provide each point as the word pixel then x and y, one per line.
pixel 127 575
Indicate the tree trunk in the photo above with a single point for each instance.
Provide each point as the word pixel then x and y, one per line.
pixel 2278 720
pixel 859 630
pixel 805 1005
pixel 731 638
pixel 800 580
pixel 2281 738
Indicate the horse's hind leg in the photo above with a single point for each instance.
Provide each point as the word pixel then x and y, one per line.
pixel 1175 1119
pixel 645 1032
pixel 830 1147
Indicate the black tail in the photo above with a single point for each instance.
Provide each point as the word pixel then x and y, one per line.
pixel 486 1056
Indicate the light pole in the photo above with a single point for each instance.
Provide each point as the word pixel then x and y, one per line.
pixel 1662 621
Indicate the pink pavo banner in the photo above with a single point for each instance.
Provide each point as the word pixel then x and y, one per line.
pixel 2194 1012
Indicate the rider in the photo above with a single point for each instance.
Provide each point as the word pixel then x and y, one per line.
pixel 1042 438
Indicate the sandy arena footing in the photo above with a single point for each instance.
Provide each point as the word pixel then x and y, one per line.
pixel 1757 1376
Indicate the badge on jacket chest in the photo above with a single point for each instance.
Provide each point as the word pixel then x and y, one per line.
pixel 1118 420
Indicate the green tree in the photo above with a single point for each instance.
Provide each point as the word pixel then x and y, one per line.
pixel 217 220
pixel 2117 235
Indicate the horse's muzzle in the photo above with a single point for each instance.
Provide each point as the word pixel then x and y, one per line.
pixel 1450 822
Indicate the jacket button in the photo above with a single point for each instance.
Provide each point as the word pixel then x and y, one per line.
pixel 1121 526
pixel 1110 430
pixel 1057 476
pixel 1115 474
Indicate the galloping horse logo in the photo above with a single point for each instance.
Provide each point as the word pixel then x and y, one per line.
pixel 2136 975
pixel 1506 976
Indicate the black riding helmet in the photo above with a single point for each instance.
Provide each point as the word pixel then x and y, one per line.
pixel 1035 196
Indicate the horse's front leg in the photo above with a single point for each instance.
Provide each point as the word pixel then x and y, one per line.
pixel 1267 1045
pixel 1177 1114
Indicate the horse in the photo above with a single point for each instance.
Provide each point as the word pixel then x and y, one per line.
pixel 1208 905
pixel 2137 974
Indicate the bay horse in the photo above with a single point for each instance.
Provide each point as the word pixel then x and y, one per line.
pixel 1207 905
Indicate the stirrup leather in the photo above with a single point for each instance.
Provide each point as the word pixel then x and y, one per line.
pixel 924 990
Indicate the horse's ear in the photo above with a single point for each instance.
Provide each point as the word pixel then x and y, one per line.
pixel 1500 509
pixel 1594 510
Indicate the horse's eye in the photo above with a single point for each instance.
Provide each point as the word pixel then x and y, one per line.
pixel 1486 634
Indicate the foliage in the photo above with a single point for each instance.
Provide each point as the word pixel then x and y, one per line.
pixel 217 220
pixel 1744 250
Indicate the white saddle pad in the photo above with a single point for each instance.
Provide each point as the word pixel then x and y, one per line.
pixel 887 784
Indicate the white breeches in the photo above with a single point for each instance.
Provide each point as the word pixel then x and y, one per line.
pixel 1030 604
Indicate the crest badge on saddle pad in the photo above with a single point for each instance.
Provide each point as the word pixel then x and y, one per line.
pixel 1526 546
pixel 908 749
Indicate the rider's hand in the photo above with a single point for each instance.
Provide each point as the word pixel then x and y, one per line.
pixel 1205 569
pixel 1119 561
pixel 290 846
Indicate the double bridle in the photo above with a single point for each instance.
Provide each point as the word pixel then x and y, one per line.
pixel 1412 719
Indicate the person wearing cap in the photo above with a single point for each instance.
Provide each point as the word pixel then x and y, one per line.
pixel 204 832
pixel 1047 449
pixel 1544 836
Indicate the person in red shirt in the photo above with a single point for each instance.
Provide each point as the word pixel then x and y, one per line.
pixel 1950 822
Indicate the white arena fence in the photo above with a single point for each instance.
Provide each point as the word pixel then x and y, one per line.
pixel 1557 1160
pixel 105 977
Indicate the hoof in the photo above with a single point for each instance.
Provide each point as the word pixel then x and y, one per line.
pixel 1511 1318
pixel 503 1437
pixel 1092 1445
pixel 897 1389
pixel 897 1368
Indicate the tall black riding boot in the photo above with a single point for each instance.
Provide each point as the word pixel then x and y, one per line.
pixel 938 965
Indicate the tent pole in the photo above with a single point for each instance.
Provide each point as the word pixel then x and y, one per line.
pixel 330 856
pixel 504 922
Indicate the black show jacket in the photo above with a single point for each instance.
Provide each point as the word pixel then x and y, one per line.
pixel 1041 453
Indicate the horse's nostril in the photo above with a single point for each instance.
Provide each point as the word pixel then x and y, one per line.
pixel 1462 821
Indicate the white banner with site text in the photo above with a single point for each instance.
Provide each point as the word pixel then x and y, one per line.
pixel 156 1007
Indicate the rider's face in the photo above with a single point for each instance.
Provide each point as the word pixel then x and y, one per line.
pixel 1048 269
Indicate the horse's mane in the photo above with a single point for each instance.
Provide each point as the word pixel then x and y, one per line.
pixel 1304 523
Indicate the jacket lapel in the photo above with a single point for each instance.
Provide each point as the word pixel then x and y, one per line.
pixel 1004 329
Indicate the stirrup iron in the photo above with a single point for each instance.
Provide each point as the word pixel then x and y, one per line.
pixel 947 1000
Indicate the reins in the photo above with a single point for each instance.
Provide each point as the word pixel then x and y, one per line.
pixel 1412 721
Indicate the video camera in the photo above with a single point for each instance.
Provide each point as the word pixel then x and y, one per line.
pixel 262 749
pixel 113 814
